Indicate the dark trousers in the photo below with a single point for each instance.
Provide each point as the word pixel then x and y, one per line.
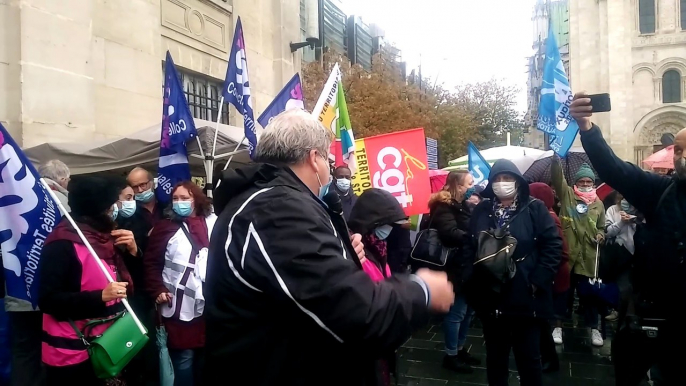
pixel 27 367
pixel 548 353
pixel 139 372
pixel 76 375
pixel 519 334
pixel 633 354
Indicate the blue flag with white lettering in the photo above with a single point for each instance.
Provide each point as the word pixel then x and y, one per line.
pixel 178 127
pixel 290 97
pixel 237 86
pixel 478 167
pixel 554 117
pixel 27 216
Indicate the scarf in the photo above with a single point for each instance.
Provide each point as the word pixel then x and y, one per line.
pixel 503 213
pixel 587 197
pixel 377 247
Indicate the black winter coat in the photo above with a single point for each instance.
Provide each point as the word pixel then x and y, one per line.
pixel 539 247
pixel 285 303
pixel 451 220
pixel 660 269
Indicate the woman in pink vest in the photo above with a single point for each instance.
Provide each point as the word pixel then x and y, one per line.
pixel 73 288
pixel 175 264
pixel 374 216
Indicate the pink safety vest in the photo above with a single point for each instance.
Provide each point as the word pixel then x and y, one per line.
pixel 374 272
pixel 61 345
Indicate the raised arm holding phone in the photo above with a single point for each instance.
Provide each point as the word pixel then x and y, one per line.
pixel 658 299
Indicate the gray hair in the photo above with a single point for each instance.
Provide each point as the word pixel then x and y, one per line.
pixel 290 136
pixel 55 170
pixel 140 169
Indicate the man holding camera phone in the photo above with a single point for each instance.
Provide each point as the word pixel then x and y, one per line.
pixel 651 330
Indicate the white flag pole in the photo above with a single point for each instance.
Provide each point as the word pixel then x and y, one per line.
pixel 230 158
pixel 92 252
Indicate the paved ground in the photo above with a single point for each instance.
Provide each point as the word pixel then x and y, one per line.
pixel 581 364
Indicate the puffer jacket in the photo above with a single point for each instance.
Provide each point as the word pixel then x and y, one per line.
pixel 538 254
pixel 450 218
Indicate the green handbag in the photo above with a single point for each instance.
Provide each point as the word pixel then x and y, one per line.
pixel 114 349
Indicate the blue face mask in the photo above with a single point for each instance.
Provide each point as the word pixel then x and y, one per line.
pixel 383 231
pixel 145 197
pixel 115 212
pixel 469 192
pixel 323 189
pixel 128 208
pixel 182 208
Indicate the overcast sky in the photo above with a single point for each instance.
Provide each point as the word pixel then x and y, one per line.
pixel 459 40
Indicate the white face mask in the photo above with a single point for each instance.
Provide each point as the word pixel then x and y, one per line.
pixel 505 189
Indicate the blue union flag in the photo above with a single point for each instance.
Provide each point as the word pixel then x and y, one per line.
pixel 237 86
pixel 554 117
pixel 28 215
pixel 178 127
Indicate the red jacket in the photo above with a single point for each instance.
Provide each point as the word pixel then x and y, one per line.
pixel 545 193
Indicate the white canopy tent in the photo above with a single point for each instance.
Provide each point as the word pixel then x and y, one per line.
pixel 142 149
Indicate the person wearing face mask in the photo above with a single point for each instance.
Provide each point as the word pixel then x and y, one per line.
pixel 136 373
pixel 658 300
pixel 450 214
pixel 374 216
pixel 148 210
pixel 73 287
pixel 342 178
pixel 583 219
pixel 512 312
pixel 175 268
pixel 285 288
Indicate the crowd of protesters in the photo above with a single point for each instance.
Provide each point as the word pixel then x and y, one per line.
pixel 287 277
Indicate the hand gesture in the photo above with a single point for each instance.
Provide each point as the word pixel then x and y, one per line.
pixel 164 297
pixel 356 240
pixel 113 291
pixel 581 111
pixel 599 238
pixel 125 238
pixel 441 292
pixel 625 217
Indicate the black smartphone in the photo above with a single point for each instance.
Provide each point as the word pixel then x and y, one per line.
pixel 600 102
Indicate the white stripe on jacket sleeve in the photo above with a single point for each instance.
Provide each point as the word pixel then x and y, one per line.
pixel 253 232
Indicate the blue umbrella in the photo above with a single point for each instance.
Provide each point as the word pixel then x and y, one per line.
pixel 166 367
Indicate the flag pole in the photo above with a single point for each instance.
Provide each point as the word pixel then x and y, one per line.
pixel 230 158
pixel 92 252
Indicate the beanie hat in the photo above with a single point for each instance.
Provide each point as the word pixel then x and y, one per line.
pixel 585 171
pixel 92 196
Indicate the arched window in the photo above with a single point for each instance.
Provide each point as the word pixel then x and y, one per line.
pixel 671 87
pixel 646 16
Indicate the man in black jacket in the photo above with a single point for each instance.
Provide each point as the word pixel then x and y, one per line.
pixel 285 302
pixel 658 303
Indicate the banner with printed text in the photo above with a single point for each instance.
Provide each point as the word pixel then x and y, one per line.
pixel 397 163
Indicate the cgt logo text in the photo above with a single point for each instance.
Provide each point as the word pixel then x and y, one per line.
pixel 391 179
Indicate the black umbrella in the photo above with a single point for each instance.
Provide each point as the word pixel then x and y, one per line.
pixel 539 171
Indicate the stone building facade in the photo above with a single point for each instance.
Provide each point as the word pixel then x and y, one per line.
pixel 79 70
pixel 636 51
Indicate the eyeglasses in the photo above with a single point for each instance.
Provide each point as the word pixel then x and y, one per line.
pixel 142 186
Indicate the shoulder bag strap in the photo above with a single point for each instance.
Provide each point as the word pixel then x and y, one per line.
pixel 663 196
pixel 184 228
pixel 518 213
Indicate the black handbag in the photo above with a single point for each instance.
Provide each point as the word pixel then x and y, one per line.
pixel 428 250
pixel 495 248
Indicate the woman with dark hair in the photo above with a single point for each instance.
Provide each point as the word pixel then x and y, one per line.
pixel 450 213
pixel 175 264
pixel 73 288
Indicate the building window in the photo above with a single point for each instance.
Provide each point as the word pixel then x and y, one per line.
pixel 646 16
pixel 682 7
pixel 203 96
pixel 671 87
